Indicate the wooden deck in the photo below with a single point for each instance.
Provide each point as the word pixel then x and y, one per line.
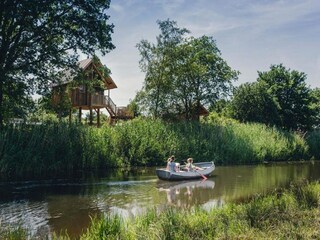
pixel 95 100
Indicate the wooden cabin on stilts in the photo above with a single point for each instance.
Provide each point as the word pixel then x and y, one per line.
pixel 89 93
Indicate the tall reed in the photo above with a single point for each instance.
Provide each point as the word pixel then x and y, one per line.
pixel 63 149
pixel 313 140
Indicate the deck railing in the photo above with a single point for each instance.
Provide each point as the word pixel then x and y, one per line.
pixel 123 112
pixel 110 104
pixel 98 100
pixel 78 98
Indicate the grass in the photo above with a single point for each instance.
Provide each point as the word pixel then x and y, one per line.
pixel 13 233
pixel 283 214
pixel 292 213
pixel 313 141
pixel 49 149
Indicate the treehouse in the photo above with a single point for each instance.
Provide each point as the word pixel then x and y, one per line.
pixel 86 91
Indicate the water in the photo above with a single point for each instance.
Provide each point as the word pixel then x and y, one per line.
pixel 56 205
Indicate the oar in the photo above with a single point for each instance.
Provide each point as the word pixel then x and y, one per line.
pixel 203 176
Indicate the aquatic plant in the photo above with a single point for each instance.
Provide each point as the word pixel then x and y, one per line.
pixel 61 149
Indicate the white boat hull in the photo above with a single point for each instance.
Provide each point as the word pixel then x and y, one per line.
pixel 208 168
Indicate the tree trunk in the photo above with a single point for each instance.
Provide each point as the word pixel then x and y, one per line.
pixel 1 101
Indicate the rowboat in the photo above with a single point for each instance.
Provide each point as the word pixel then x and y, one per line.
pixel 207 169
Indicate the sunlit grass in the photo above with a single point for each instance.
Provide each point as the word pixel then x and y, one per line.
pixel 63 149
pixel 292 213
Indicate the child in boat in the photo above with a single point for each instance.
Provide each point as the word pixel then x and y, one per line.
pixel 190 166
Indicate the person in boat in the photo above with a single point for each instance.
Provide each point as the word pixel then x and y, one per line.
pixel 171 165
pixel 168 163
pixel 191 167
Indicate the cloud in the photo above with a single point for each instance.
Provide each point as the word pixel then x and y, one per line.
pixel 251 34
pixel 116 8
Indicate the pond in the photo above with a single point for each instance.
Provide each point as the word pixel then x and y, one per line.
pixel 67 204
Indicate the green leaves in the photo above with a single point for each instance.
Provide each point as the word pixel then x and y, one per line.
pixel 38 37
pixel 280 97
pixel 182 73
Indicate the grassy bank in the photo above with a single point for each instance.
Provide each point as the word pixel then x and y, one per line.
pixel 290 214
pixel 60 148
pixel 313 141
pixel 284 214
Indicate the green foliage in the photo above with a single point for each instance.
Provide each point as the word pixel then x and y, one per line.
pixel 291 213
pixel 63 148
pixel 313 140
pixel 315 106
pixel 280 214
pixel 93 79
pixel 181 73
pixel 133 108
pixel 109 227
pixel 16 101
pixel 13 233
pixel 36 39
pixel 219 119
pixel 280 97
pixel 253 103
pixel 291 95
pixel 43 111
pixel 156 63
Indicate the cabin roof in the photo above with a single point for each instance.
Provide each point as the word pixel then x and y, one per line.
pixel 84 64
pixel 203 111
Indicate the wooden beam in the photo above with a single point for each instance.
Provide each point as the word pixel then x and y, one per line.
pixel 80 114
pixel 90 117
pixel 98 117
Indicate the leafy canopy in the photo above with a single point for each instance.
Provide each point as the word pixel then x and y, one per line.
pixel 182 73
pixel 279 97
pixel 37 38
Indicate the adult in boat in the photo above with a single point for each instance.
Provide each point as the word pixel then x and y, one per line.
pixel 190 166
pixel 171 165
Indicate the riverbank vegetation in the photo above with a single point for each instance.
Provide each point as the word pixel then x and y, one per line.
pixel 287 214
pixel 292 213
pixel 50 149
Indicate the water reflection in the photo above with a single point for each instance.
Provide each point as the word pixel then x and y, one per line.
pixel 55 205
pixel 186 193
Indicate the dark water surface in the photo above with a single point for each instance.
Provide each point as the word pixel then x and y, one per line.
pixel 59 204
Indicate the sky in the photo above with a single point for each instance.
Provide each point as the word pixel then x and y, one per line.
pixel 251 36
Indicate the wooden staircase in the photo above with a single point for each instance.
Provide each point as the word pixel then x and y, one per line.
pixel 116 112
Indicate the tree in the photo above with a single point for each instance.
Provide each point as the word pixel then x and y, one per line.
pixel 201 76
pixel 37 38
pixel 182 73
pixel 156 63
pixel 253 103
pixel 315 94
pixel 291 96
pixel 16 103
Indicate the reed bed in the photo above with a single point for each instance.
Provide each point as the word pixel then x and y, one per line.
pixel 313 140
pixel 63 149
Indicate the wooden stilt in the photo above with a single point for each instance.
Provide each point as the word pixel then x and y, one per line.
pixel 80 114
pixel 91 117
pixel 98 117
